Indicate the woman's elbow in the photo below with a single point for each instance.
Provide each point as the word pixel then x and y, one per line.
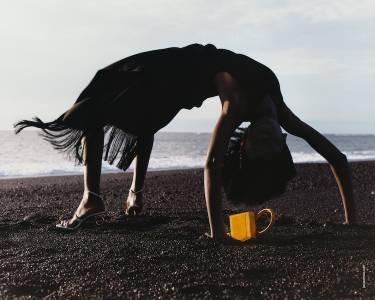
pixel 343 160
pixel 340 161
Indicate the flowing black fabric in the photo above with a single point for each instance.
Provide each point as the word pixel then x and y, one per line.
pixel 119 146
pixel 142 93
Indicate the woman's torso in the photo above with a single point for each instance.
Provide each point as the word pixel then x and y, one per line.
pixel 143 92
pixel 186 74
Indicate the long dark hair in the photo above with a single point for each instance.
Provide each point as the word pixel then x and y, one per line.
pixel 253 181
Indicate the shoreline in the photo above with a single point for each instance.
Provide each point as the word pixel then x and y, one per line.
pixel 370 160
pixel 103 173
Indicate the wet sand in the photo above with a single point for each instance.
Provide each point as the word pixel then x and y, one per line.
pixel 308 253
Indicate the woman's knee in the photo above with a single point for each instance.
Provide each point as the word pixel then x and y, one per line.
pixel 94 132
pixel 93 136
pixel 145 143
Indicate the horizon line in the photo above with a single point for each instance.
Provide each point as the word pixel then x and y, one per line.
pixel 209 132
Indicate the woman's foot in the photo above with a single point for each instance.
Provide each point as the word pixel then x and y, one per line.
pixel 134 204
pixel 91 205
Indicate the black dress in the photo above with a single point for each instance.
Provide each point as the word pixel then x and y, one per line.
pixel 142 93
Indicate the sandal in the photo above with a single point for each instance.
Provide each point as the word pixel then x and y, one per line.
pixel 79 220
pixel 135 209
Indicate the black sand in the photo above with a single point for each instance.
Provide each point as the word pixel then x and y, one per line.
pixel 308 254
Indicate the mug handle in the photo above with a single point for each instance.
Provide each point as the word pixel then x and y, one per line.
pixel 273 219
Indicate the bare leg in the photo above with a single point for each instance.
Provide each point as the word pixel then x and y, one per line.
pixel 134 203
pixel 93 148
pixel 92 155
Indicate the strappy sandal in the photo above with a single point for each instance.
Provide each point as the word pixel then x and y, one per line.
pixel 79 221
pixel 135 209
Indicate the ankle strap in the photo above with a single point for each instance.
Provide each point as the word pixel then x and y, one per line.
pixel 137 192
pixel 94 194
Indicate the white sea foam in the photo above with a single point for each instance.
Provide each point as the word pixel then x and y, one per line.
pixel 300 157
pixel 28 154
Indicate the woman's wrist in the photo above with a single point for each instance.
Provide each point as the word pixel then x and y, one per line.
pixel 219 237
pixel 218 232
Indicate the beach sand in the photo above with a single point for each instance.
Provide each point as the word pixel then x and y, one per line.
pixel 307 254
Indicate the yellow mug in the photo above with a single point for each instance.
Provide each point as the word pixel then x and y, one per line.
pixel 243 225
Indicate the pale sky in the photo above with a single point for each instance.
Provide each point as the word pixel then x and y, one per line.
pixel 322 51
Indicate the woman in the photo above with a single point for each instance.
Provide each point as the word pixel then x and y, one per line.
pixel 126 103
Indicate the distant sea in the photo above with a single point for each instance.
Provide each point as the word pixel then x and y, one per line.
pixel 28 155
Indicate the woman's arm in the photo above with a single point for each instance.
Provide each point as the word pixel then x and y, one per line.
pixel 229 119
pixel 337 160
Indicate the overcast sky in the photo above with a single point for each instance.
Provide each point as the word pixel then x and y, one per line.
pixel 322 51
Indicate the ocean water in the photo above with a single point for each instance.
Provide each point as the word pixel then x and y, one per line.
pixel 28 155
